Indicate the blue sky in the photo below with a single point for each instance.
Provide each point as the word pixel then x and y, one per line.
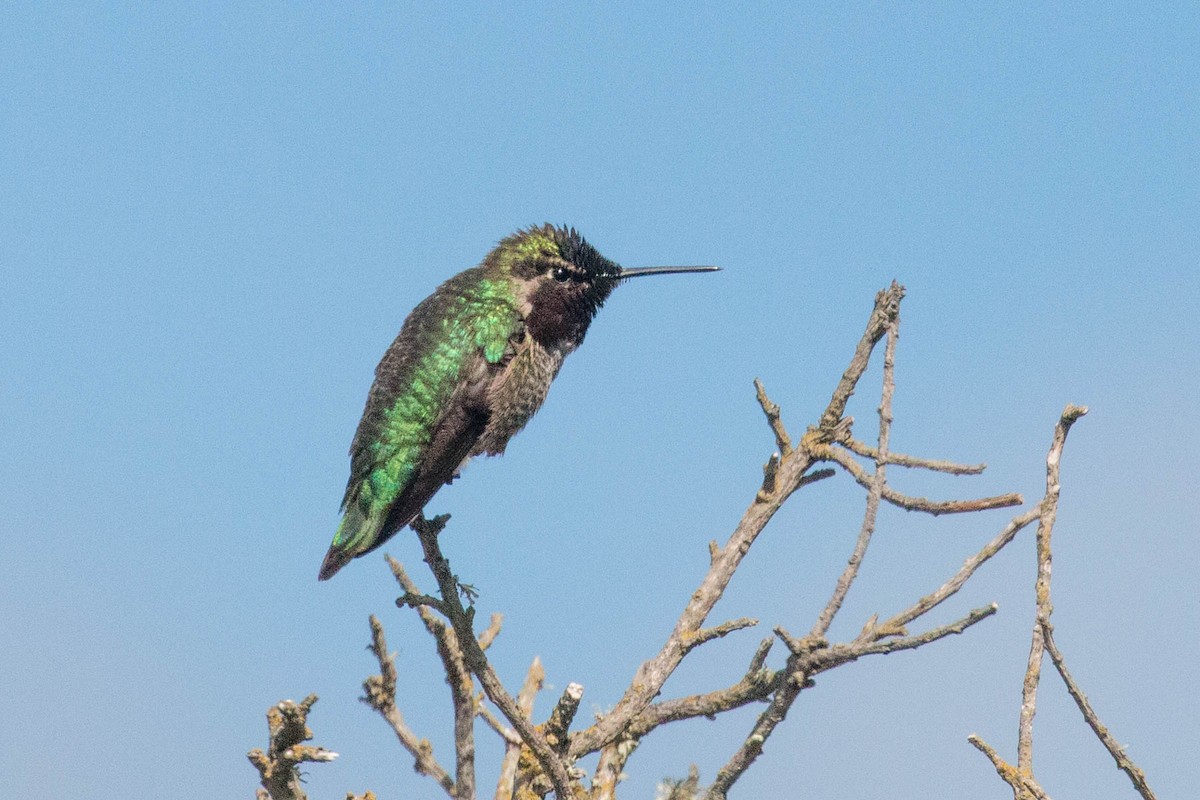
pixel 214 218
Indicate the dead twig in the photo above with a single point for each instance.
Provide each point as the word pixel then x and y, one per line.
pixel 278 767
pixel 1124 763
pixel 1048 509
pixel 874 490
pixel 535 678
pixel 461 620
pixel 379 692
pixel 1024 786
pixel 783 480
pixel 458 677
pixel 923 504
pixel 900 460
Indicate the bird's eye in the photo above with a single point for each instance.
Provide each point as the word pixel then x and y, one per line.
pixel 561 275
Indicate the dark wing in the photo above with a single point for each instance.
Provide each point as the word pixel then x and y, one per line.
pixel 428 404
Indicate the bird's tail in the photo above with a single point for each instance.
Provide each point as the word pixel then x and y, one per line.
pixel 356 535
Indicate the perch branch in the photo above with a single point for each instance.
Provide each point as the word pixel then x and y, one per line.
pixel 458 677
pixel 462 622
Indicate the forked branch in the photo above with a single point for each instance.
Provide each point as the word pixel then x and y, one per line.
pixel 1021 777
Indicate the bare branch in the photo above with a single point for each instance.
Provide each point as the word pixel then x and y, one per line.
pixel 810 657
pixel 491 632
pixel 534 679
pixel 792 470
pixel 651 675
pixel 287 725
pixel 414 598
pixel 887 306
pixel 782 441
pixel 951 587
pixel 893 645
pixel 476 660
pixel 874 491
pixel 909 503
pixel 1023 785
pixel 716 632
pixel 756 684
pixel 1048 513
pixel 560 720
pixel 900 460
pixel 1043 630
pixel 503 731
pixel 790 682
pixel 380 694
pixel 770 474
pixel 1135 773
pixel 458 677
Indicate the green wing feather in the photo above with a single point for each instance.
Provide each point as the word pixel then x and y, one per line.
pixel 469 316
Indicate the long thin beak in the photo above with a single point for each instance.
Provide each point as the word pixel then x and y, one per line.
pixel 633 273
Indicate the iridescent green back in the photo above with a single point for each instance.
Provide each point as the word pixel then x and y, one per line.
pixel 470 315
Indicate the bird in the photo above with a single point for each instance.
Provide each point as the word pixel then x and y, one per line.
pixel 471 365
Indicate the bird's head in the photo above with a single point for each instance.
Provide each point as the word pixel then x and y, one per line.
pixel 561 281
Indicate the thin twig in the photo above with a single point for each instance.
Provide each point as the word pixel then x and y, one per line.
pixel 956 582
pixel 924 504
pixel 380 694
pixel 836 656
pixel 807 660
pixel 491 632
pixel 458 677
pixel 771 410
pixel 1135 773
pixel 503 731
pixel 900 460
pixel 476 660
pixel 1024 786
pixel 790 683
pixel 757 684
pixel 535 677
pixel 887 306
pixel 718 631
pixel 874 491
pixel 1049 512
pixel 651 675
pixel 278 767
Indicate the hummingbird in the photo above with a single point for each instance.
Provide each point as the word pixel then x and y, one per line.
pixel 472 364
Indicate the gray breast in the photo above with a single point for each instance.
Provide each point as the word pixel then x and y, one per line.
pixel 517 393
